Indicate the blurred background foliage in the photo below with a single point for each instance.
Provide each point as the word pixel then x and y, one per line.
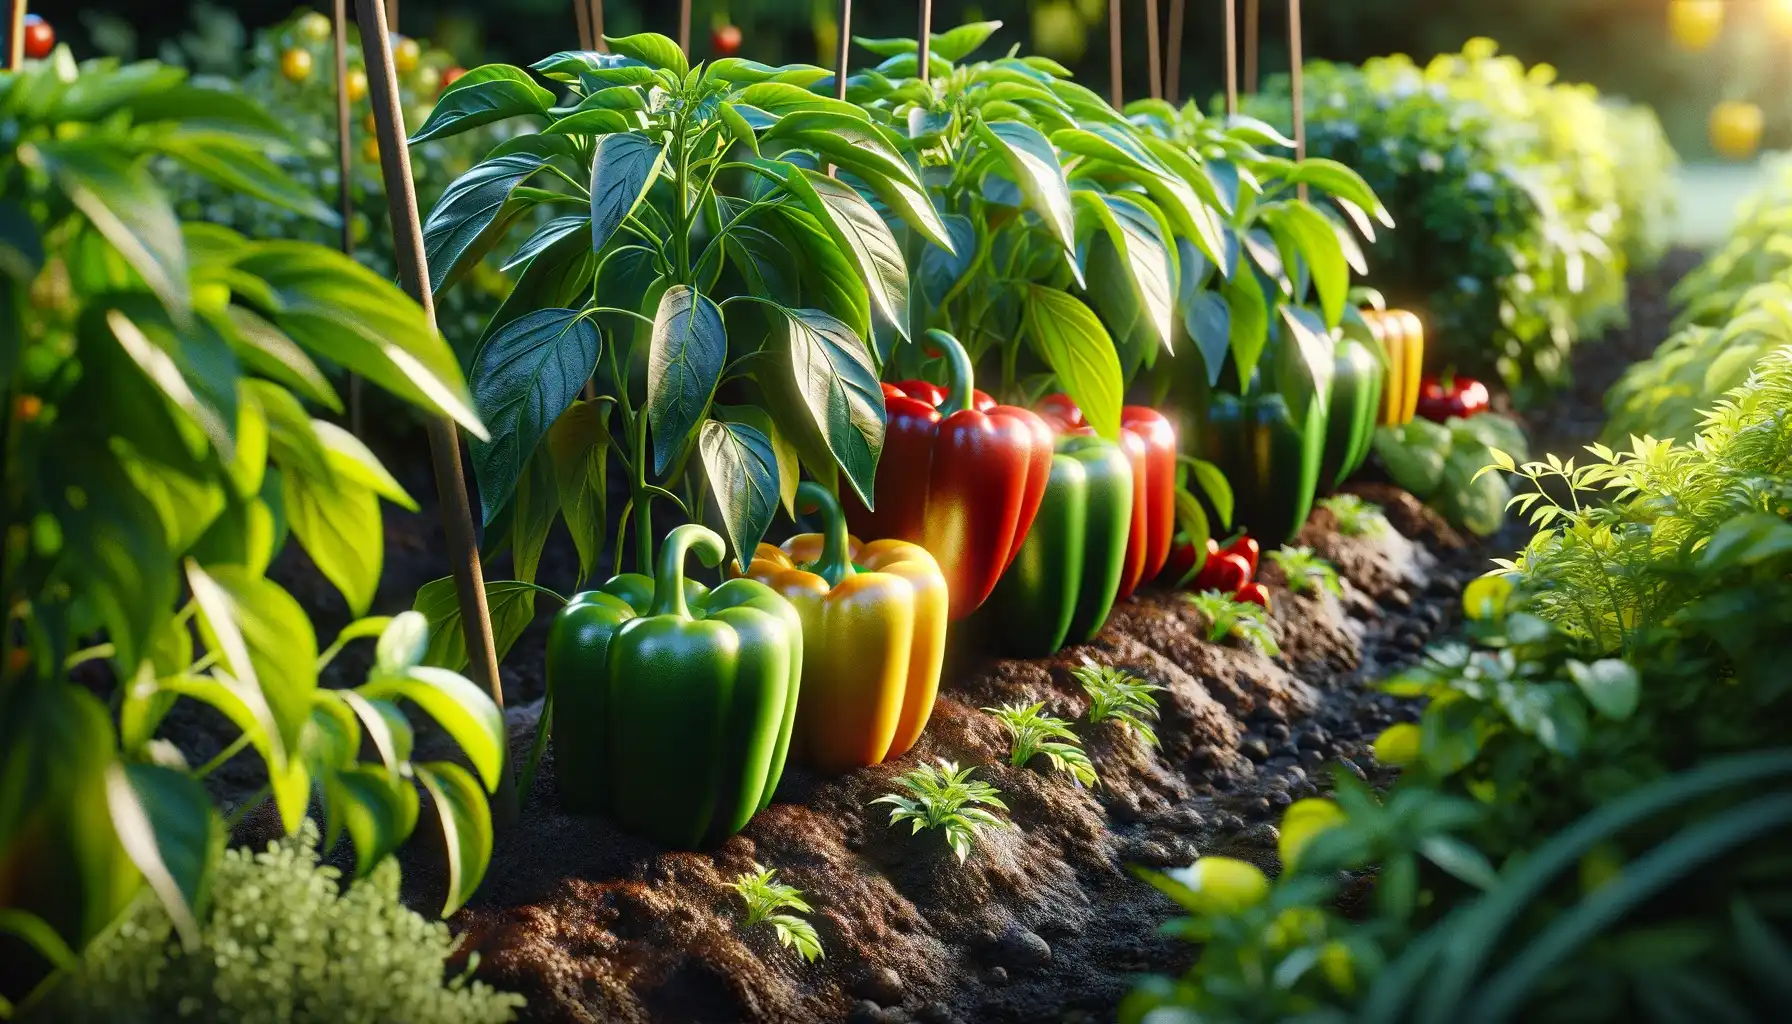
pixel 1621 46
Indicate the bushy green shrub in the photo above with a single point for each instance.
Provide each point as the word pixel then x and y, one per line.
pixel 283 944
pixel 1521 201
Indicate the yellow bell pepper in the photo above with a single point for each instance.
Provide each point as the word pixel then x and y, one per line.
pixel 874 634
pixel 1403 337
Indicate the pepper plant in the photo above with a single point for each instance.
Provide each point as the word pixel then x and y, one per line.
pixel 158 453
pixel 702 270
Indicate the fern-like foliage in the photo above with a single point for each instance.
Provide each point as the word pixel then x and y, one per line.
pixel 1307 573
pixel 1228 619
pixel 947 798
pixel 1118 696
pixel 1356 517
pixel 766 899
pixel 1032 732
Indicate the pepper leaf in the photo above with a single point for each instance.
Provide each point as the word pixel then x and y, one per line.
pixel 684 365
pixel 510 603
pixel 1037 171
pixel 466 827
pixel 579 443
pixel 165 822
pixel 838 383
pixel 1076 346
pixel 623 167
pixel 743 476
pixel 460 707
pixel 862 236
pixel 523 379
pixel 475 211
pixel 494 92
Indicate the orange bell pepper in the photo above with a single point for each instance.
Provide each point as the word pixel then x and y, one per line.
pixel 874 634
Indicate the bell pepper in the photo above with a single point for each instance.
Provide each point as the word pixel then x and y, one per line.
pixel 674 703
pixel 1452 396
pixel 1253 593
pixel 1150 443
pixel 874 637
pixel 960 475
pixel 1226 572
pixel 1271 461
pixel 1061 587
pixel 1403 337
pixel 1353 410
pixel 1246 547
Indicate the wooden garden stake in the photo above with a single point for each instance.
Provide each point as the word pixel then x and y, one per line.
pixel 15 56
pixel 684 27
pixel 1295 60
pixel 1173 53
pixel 1114 90
pixel 1231 58
pixel 844 45
pixel 925 40
pixel 1153 55
pixel 597 26
pixel 444 440
pixel 391 15
pixel 1253 17
pixel 583 14
pixel 345 201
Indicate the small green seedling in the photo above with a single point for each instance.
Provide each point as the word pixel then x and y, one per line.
pixel 765 897
pixel 1307 573
pixel 1119 696
pixel 1032 732
pixel 1356 517
pixel 946 798
pixel 1228 619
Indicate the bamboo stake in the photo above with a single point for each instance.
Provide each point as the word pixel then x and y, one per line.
pixel 1173 54
pixel 1295 62
pixel 444 440
pixel 345 200
pixel 1114 89
pixel 1153 55
pixel 1231 58
pixel 15 56
pixel 583 14
pixel 391 15
pixel 597 26
pixel 684 27
pixel 925 55
pixel 845 44
pixel 1253 17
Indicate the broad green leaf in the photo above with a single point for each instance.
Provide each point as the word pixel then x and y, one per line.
pixel 544 238
pixel 958 43
pixel 1208 321
pixel 1034 165
pixel 830 279
pixel 1307 361
pixel 848 141
pixel 378 811
pixel 593 70
pixel 402 644
pixel 474 212
pixel 1076 346
pixel 887 47
pixel 494 92
pixel 1150 265
pixel 939 269
pixel 268 352
pixel 1343 183
pixel 466 827
pixel 263 637
pixel 337 519
pixel 559 276
pixel 1215 486
pixel 616 97
pixel 783 449
pixel 241 164
pixel 1611 685
pixel 1299 228
pixel 165 822
pixel 740 71
pixel 511 605
pixel 532 514
pixel 652 49
pixel 738 128
pixel 862 236
pixel 743 476
pixel 195 369
pixel 684 365
pixel 124 204
pixel 623 167
pixel 523 379
pixel 779 99
pixel 206 105
pixel 1250 321
pixel 348 314
pixel 350 459
pixel 838 382
pixel 360 629
pixel 460 707
pixel 579 444
pixel 1256 132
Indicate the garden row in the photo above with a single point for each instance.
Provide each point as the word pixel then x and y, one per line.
pixel 725 279
pixel 1592 821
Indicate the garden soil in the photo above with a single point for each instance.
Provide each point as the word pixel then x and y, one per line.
pixel 1046 920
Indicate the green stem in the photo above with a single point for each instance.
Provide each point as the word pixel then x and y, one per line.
pixel 235 748
pixel 835 563
pixel 668 582
pixel 961 378
pixel 643 499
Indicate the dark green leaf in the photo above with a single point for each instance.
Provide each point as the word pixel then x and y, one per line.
pixel 377 809
pixel 743 475
pixel 838 383
pixel 511 605
pixel 524 378
pixel 545 237
pixel 594 70
pixel 579 443
pixel 494 92
pixel 860 235
pixel 789 468
pixel 206 105
pixel 1304 373
pixel 623 167
pixel 684 365
pixel 473 214
pixel 166 824
pixel 1300 229
pixel 1144 245
pixel 1033 165
pixel 1249 321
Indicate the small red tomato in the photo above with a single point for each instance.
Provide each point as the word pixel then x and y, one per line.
pixel 1246 547
pixel 726 40
pixel 450 76
pixel 1443 397
pixel 1255 593
pixel 1225 572
pixel 40 38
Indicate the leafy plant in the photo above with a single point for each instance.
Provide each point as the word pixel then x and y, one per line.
pixel 765 897
pixel 946 798
pixel 1306 572
pixel 351 954
pixel 1118 696
pixel 1441 464
pixel 1032 732
pixel 1356 517
pixel 1228 619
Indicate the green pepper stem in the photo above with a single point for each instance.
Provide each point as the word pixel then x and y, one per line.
pixel 961 378
pixel 668 583
pixel 835 563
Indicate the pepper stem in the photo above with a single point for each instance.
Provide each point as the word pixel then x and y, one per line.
pixel 835 563
pixel 961 378
pixel 668 583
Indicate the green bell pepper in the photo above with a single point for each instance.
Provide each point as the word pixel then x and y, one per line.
pixel 673 703
pixel 1271 461
pixel 1061 586
pixel 1355 407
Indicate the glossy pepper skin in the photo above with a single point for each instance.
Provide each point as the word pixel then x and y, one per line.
pixel 673 703
pixel 960 475
pixel 1402 336
pixel 1271 461
pixel 1149 440
pixel 1061 587
pixel 1352 413
pixel 874 637
pixel 1441 398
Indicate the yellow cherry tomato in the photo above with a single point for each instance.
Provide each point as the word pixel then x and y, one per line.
pixel 1695 24
pixel 313 27
pixel 370 151
pixel 405 54
pixel 356 84
pixel 1736 129
pixel 295 64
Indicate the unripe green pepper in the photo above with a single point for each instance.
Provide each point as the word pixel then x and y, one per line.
pixel 1061 586
pixel 1271 461
pixel 673 703
pixel 1354 408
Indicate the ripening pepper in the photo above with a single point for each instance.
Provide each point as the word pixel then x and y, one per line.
pixel 960 475
pixel 874 637
pixel 1402 336
pixel 1061 587
pixel 1150 443
pixel 1271 461
pixel 1352 412
pixel 673 703
pixel 1450 396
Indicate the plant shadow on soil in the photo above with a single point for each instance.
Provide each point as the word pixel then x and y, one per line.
pixel 1045 921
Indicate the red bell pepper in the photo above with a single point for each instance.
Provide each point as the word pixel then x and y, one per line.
pixel 1247 548
pixel 1450 395
pixel 1255 593
pixel 1185 561
pixel 960 475
pixel 1150 445
pixel 1225 572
